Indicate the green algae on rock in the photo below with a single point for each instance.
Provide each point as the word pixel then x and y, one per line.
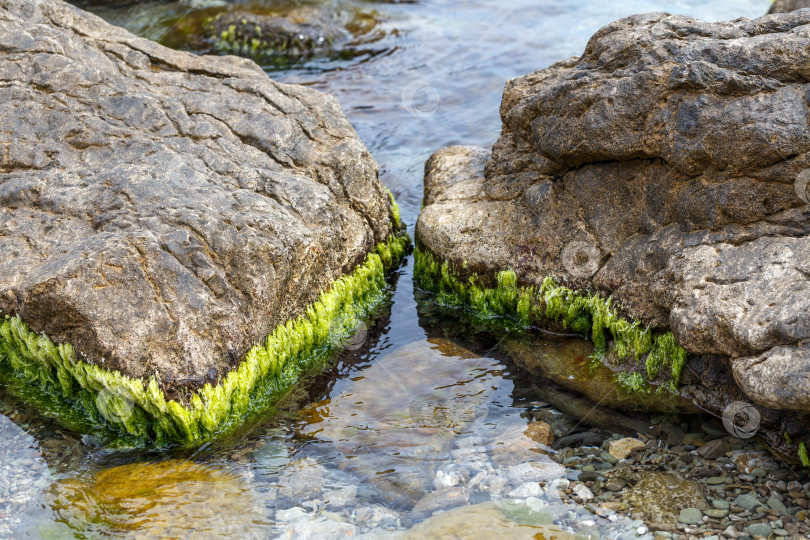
pixel 277 35
pixel 506 305
pixel 128 411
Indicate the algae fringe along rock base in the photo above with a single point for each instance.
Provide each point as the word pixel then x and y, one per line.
pixel 505 306
pixel 127 412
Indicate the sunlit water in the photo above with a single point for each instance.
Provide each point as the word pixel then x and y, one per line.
pixel 392 416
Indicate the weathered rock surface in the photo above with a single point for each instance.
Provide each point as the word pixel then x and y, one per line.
pixel 670 155
pixel 786 6
pixel 161 211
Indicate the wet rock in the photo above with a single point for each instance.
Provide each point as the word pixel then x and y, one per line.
pixel 518 445
pixel 529 489
pixel 585 438
pixel 686 234
pixel 747 461
pixel 690 516
pixel 535 471
pixel 713 449
pixel 163 499
pixel 540 432
pixel 440 500
pixel 338 498
pixel 779 506
pixel 716 513
pixel 747 502
pixel 446 480
pixel 375 516
pixel 759 529
pixel 614 484
pixel 164 212
pixel 278 34
pixel 248 34
pixel 660 497
pixel 623 447
pixel 567 363
pixel 471 522
pixel 582 492
pixel 302 480
pixel 786 6
pixel 315 528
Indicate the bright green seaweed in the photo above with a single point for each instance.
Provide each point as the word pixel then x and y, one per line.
pixel 132 412
pixel 509 306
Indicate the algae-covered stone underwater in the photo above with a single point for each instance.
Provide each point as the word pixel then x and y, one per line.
pixel 351 368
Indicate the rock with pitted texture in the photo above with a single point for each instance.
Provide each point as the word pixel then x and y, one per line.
pixel 665 168
pixel 164 212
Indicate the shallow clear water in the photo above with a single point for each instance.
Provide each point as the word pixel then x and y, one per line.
pixel 408 408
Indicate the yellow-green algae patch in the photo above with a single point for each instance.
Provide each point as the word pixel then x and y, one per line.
pixel 507 306
pixel 133 412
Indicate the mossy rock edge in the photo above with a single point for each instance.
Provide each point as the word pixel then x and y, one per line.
pixel 657 359
pixel 127 412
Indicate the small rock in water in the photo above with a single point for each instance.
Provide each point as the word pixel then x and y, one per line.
pixel 713 449
pixel 730 532
pixel 747 502
pixel 623 447
pixel 716 513
pixel 583 492
pixel 535 471
pixel 291 514
pixel 375 516
pixel 440 500
pixel 746 462
pixel 779 506
pixel 520 444
pixel 759 529
pixel 442 480
pixel 690 516
pixel 341 497
pixel 528 489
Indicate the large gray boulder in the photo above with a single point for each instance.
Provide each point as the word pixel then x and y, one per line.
pixel 667 167
pixel 164 212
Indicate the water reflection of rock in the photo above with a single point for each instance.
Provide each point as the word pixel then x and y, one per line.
pixel 395 422
pixel 566 362
pixel 167 499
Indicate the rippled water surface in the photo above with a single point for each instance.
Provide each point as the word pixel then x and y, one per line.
pixel 423 402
